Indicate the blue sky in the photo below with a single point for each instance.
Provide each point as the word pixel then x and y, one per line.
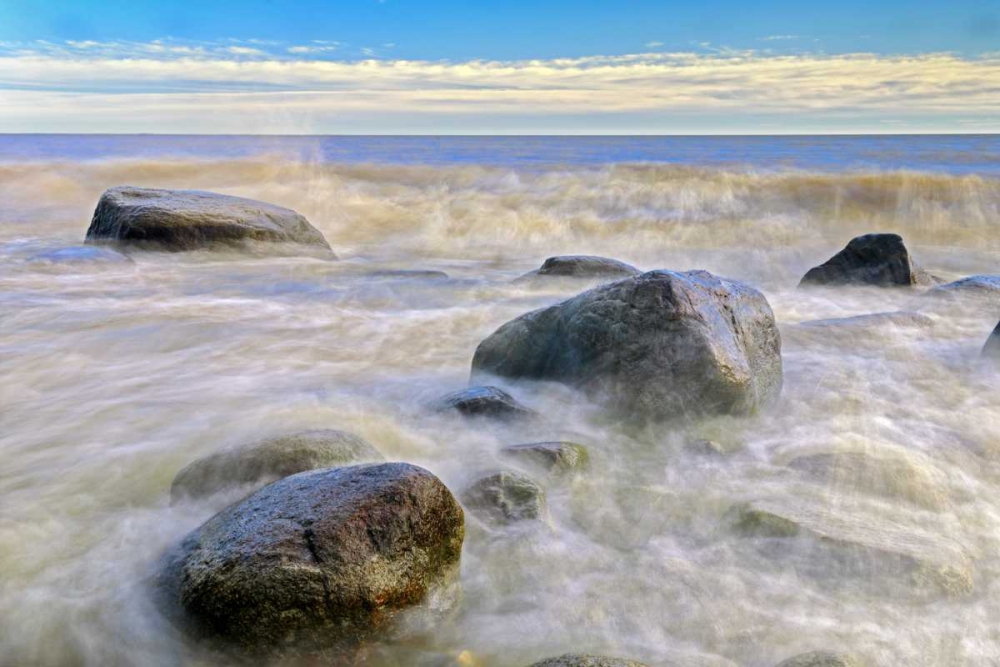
pixel 443 66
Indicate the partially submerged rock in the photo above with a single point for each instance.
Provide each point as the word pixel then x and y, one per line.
pixel 555 457
pixel 265 461
pixel 583 266
pixel 821 659
pixel 586 660
pixel 505 497
pixel 975 287
pixel 892 476
pixel 992 347
pixel 859 544
pixel 192 219
pixel 81 255
pixel 317 560
pixel 873 259
pixel 485 401
pixel 661 345
pixel 409 274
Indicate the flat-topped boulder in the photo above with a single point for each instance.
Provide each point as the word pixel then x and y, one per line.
pixel 485 401
pixel 662 345
pixel 881 260
pixel 317 561
pixel 850 539
pixel 192 220
pixel 586 660
pixel 554 457
pixel 583 266
pixel 254 465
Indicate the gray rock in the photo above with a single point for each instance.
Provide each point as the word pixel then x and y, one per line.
pixel 319 560
pixel 861 543
pixel 872 259
pixel 505 497
pixel 485 401
pixel 821 659
pixel 899 319
pixel 191 219
pixel 662 345
pixel 268 460
pixel 992 347
pixel 976 287
pixel 708 448
pixel 409 274
pixel 555 457
pixel 583 266
pixel 81 255
pixel 586 660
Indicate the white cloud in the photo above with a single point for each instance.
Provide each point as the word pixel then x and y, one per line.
pixel 776 38
pixel 653 45
pixel 188 86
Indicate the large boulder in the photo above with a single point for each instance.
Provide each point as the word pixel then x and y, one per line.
pixel 485 401
pixel 873 259
pixel 319 560
pixel 583 266
pixel 191 220
pixel 992 347
pixel 663 345
pixel 821 659
pixel 586 660
pixel 263 462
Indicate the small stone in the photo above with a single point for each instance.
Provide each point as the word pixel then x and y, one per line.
pixel 506 497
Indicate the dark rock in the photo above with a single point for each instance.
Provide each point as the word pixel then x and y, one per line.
pixel 584 660
pixel 318 560
pixel 505 497
pixel 583 266
pixel 263 462
pixel 661 345
pixel 191 219
pixel 821 659
pixel 557 457
pixel 992 347
pixel 861 543
pixel 872 259
pixel 485 401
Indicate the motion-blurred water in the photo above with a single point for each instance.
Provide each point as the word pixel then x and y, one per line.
pixel 115 374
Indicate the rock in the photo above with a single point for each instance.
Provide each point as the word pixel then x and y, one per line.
pixel 872 259
pixel 862 543
pixel 555 457
pixel 661 345
pixel 485 401
pixel 821 659
pixel 887 476
pixel 82 255
pixel 318 560
pixel 409 274
pixel 583 266
pixel 708 448
pixel 267 460
pixel 979 294
pixel 506 497
pixel 900 319
pixel 992 347
pixel 191 219
pixel 584 660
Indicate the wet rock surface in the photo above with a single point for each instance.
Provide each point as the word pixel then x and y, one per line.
pixel 583 266
pixel 663 345
pixel 485 401
pixel 262 462
pixel 553 457
pixel 319 560
pixel 586 660
pixel 191 219
pixel 992 347
pixel 505 497
pixel 821 659
pixel 873 259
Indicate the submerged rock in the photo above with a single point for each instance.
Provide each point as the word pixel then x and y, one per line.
pixel 191 219
pixel 888 476
pixel 267 460
pixel 872 259
pixel 859 544
pixel 977 287
pixel 556 457
pixel 318 560
pixel 586 660
pixel 485 401
pixel 821 659
pixel 409 274
pixel 506 497
pixel 992 347
pixel 710 448
pixel 661 345
pixel 583 266
pixel 82 255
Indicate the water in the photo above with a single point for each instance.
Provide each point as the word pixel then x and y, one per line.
pixel 117 374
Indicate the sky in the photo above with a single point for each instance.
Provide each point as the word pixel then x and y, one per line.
pixel 515 67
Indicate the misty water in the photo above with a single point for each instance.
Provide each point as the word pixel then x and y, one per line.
pixel 115 374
